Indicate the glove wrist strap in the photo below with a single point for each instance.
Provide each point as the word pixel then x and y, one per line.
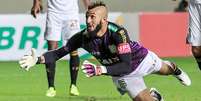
pixel 103 69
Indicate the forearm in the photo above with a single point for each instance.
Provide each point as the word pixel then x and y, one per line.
pixel 119 69
pixel 122 68
pixel 52 56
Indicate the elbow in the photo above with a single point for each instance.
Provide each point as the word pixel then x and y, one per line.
pixel 128 70
pixel 49 57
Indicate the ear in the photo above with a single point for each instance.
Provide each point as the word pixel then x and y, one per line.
pixel 103 20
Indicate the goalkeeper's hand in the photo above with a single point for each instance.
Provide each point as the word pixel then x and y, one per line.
pixel 91 69
pixel 28 61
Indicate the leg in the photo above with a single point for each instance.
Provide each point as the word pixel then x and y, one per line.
pixel 133 85
pixel 194 35
pixel 50 69
pixel 169 68
pixel 196 50
pixel 52 35
pixel 74 67
pixel 70 27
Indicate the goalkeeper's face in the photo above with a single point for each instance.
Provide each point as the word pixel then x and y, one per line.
pixel 94 19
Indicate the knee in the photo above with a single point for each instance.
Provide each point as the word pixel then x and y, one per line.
pixel 74 54
pixel 74 60
pixel 52 45
pixel 196 51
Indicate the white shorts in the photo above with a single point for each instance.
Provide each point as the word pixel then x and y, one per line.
pixel 134 83
pixel 194 35
pixel 61 26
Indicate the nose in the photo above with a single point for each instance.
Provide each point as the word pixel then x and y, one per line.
pixel 88 20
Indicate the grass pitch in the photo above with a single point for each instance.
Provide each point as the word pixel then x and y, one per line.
pixel 19 85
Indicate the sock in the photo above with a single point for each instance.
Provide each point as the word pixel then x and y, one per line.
pixel 199 65
pixel 50 69
pixel 198 60
pixel 173 66
pixel 177 71
pixel 74 67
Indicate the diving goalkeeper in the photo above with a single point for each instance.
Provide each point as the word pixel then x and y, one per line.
pixel 125 60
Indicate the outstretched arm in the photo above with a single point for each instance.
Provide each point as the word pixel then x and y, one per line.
pixel 54 55
pixel 28 61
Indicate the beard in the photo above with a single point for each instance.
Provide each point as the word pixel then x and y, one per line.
pixel 93 34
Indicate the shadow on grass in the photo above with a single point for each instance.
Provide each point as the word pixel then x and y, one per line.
pixel 93 98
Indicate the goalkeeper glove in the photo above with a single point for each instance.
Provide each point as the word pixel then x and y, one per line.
pixel 91 69
pixel 28 61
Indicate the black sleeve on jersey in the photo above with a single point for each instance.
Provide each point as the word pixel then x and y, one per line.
pixel 54 55
pixel 121 68
pixel 124 66
pixel 73 43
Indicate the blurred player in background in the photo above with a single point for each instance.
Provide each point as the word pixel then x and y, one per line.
pixel 125 60
pixel 62 21
pixel 194 35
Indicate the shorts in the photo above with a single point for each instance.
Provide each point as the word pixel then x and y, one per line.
pixel 194 35
pixel 133 83
pixel 61 26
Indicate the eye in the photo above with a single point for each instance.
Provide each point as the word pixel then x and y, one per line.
pixel 93 17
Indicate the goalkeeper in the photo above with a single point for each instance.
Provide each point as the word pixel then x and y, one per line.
pixel 125 60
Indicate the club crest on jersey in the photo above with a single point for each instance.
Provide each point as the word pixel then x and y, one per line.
pixel 124 48
pixel 123 35
pixel 112 48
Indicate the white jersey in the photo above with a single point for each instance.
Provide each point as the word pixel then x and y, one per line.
pixel 196 1
pixel 194 35
pixel 62 19
pixel 63 6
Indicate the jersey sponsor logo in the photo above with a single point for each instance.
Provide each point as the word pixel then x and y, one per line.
pixel 109 61
pixel 95 53
pixel 124 48
pixel 122 84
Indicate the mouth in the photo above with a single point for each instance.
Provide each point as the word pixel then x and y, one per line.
pixel 90 28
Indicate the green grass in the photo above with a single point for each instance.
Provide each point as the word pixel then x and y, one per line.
pixel 19 85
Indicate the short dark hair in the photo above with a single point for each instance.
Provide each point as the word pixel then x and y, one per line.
pixel 96 4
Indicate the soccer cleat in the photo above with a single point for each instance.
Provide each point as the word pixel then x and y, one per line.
pixel 51 92
pixel 74 90
pixel 156 94
pixel 183 78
